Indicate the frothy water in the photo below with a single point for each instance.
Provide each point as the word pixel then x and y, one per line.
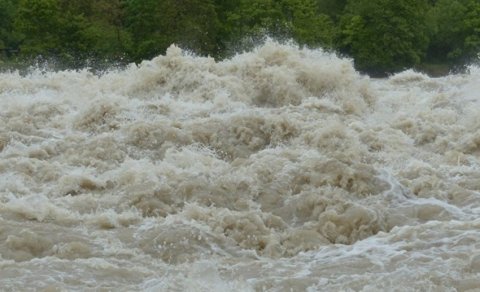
pixel 280 169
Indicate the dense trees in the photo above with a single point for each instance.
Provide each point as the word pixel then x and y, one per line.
pixel 154 25
pixel 308 24
pixel 70 31
pixel 455 31
pixel 381 35
pixel 385 35
pixel 47 29
pixel 8 39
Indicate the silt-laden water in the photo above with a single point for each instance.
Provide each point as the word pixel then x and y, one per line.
pixel 281 169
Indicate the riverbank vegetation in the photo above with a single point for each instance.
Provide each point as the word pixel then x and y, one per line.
pixel 382 36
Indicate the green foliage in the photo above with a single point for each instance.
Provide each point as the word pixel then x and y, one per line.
pixel 8 39
pixel 246 22
pixel 106 31
pixel 472 30
pixel 332 8
pixel 250 20
pixel 310 27
pixel 457 30
pixel 384 35
pixel 50 31
pixel 155 25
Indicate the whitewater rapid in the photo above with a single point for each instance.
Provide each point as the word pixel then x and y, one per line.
pixel 280 169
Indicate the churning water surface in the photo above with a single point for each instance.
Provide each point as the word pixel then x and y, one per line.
pixel 281 169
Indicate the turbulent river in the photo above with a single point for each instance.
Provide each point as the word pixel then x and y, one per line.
pixel 280 169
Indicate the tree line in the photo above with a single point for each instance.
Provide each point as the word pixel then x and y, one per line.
pixel 382 36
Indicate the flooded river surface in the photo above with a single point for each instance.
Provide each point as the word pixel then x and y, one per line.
pixel 280 169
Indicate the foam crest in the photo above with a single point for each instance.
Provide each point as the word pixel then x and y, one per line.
pixel 272 76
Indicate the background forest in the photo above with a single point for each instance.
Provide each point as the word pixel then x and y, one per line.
pixel 382 36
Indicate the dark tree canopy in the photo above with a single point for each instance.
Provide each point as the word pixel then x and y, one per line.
pixel 382 36
pixel 385 35
pixel 456 30
pixel 155 25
